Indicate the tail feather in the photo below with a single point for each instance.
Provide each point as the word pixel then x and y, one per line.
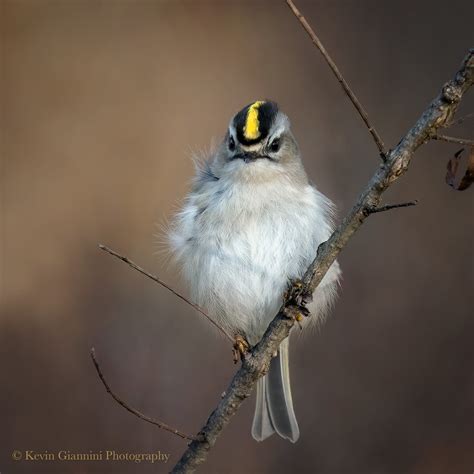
pixel 262 426
pixel 274 408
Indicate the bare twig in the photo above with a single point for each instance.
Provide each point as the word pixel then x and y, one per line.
pixel 162 283
pixel 389 207
pixel 256 362
pixel 355 101
pixel 160 424
pixel 458 141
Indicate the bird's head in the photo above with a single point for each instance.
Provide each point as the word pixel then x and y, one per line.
pixel 259 143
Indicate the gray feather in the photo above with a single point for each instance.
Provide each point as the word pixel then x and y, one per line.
pixel 274 408
pixel 262 426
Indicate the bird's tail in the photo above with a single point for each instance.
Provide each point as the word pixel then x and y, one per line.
pixel 274 409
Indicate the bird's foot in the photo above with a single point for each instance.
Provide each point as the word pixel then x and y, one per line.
pixel 295 302
pixel 293 290
pixel 241 347
pixel 296 293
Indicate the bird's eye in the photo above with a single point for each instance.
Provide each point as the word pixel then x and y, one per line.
pixel 231 143
pixel 275 145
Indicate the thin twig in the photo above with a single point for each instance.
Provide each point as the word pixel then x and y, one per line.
pixel 127 407
pixel 162 283
pixel 257 361
pixel 389 207
pixel 355 101
pixel 446 138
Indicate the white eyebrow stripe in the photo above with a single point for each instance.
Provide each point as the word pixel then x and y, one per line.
pixel 280 124
pixel 276 133
pixel 232 131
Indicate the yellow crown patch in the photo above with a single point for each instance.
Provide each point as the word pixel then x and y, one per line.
pixel 252 124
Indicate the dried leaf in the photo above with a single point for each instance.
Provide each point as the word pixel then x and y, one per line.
pixel 460 167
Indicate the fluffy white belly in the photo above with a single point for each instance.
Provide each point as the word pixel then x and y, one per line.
pixel 239 246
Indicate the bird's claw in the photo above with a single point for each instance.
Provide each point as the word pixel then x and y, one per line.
pixel 295 302
pixel 294 293
pixel 241 347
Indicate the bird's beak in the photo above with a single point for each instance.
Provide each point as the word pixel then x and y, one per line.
pixel 249 157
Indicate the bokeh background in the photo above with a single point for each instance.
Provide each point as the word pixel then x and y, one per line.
pixel 102 104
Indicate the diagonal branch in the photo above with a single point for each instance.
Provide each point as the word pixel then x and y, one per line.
pixel 256 362
pixel 355 101
pixel 434 117
pixel 162 283
pixel 127 407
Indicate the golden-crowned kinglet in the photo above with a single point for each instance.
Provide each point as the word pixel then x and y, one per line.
pixel 251 223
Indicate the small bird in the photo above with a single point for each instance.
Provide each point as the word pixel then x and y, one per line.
pixel 251 223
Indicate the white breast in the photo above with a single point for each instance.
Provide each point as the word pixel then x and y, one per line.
pixel 239 245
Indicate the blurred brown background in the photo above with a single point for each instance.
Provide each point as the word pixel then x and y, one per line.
pixel 102 104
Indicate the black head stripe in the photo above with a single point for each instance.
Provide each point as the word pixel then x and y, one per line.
pixel 265 111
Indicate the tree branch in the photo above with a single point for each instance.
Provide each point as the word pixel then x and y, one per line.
pixel 165 285
pixel 445 138
pixel 160 424
pixel 355 101
pixel 256 362
pixel 434 117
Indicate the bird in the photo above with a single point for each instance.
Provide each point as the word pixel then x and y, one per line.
pixel 251 223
